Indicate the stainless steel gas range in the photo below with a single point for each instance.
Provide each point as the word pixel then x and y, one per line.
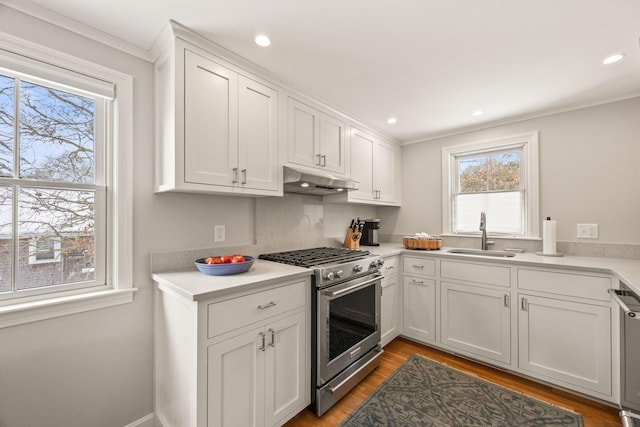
pixel 346 318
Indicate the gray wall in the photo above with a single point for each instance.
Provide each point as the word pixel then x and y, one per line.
pixel 589 173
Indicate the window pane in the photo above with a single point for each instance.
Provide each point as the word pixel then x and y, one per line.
pixel 7 112
pixel 472 174
pixel 56 232
pixel 56 135
pixel 489 172
pixel 5 239
pixel 504 171
pixel 504 212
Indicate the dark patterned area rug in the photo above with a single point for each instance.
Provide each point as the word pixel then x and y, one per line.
pixel 422 392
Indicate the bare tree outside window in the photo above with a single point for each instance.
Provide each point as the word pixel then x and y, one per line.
pixel 54 135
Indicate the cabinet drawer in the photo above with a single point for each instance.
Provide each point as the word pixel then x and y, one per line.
pixel 569 284
pixel 233 313
pixel 390 267
pixel 419 266
pixel 479 273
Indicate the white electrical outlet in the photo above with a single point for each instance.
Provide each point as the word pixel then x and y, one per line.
pixel 220 234
pixel 587 231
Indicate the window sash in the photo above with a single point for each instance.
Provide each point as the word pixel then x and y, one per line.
pixel 103 116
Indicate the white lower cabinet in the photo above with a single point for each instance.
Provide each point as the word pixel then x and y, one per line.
pixel 391 301
pixel 236 360
pixel 419 308
pixel 256 378
pixel 566 342
pixel 476 321
pixel 560 328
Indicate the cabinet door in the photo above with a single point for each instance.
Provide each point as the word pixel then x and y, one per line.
pixel 210 121
pixel 235 381
pixel 566 341
pixel 286 383
pixel 420 308
pixel 476 320
pixel 257 135
pixel 304 134
pixel 389 309
pixel 384 171
pixel 362 146
pixel 332 144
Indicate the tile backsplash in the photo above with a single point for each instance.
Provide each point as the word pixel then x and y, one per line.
pixel 295 221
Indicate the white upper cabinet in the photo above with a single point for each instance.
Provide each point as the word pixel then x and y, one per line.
pixel 375 164
pixel 216 126
pixel 315 138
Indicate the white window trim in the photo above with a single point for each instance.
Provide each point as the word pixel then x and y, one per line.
pixel 531 171
pixel 119 288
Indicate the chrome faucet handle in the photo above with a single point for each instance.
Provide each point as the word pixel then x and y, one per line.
pixel 483 221
pixel 489 242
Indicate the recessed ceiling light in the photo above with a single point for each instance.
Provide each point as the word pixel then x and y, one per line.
pixel 613 58
pixel 392 120
pixel 262 40
pixel 477 113
pixel 304 184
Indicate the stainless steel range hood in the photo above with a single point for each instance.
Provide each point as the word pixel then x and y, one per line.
pixel 315 183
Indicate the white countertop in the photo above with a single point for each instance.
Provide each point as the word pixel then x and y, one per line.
pixel 194 285
pixel 627 270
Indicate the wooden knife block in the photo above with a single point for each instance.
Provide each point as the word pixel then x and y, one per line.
pixel 352 239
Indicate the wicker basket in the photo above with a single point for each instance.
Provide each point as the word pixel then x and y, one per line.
pixel 424 244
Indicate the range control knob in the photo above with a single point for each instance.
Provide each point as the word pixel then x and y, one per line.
pixel 329 276
pixel 338 274
pixel 380 262
pixel 357 268
pixel 373 265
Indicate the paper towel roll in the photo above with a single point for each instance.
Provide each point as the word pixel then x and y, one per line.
pixel 549 236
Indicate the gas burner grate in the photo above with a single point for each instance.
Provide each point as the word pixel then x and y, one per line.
pixel 315 256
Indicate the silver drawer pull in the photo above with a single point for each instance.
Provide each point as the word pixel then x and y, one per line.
pixel 417 266
pixel 262 341
pixel 262 307
pixel 273 337
pixel 417 282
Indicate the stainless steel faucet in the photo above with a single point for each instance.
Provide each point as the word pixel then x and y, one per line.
pixel 484 244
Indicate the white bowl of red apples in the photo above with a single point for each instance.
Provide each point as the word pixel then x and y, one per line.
pixel 225 264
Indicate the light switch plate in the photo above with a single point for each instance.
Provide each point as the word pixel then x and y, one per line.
pixel 587 231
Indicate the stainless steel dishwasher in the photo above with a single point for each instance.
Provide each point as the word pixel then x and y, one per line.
pixel 629 302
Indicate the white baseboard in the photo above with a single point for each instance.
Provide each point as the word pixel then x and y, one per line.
pixel 146 421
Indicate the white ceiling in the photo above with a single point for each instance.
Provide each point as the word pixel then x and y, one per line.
pixel 430 63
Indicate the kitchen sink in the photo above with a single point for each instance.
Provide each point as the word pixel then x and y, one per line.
pixel 499 254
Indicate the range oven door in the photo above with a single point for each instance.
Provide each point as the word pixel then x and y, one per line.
pixel 629 303
pixel 348 324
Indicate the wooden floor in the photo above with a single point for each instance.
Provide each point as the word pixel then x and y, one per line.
pixel 594 414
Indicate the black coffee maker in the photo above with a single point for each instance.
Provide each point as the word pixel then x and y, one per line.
pixel 370 232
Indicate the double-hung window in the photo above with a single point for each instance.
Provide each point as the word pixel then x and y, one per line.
pixel 64 197
pixel 498 177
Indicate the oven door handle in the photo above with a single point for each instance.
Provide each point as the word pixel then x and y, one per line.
pixel 352 288
pixel 615 294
